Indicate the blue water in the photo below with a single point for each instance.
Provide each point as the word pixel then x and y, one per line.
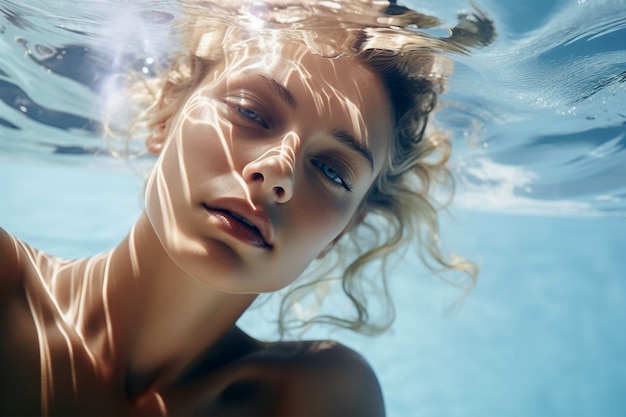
pixel 539 122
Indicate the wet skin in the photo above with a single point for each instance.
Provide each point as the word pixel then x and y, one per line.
pixel 260 171
pixel 296 157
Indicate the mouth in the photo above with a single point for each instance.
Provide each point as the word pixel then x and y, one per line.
pixel 251 228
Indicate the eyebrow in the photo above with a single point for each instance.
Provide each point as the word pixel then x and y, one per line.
pixel 339 135
pixel 348 140
pixel 280 89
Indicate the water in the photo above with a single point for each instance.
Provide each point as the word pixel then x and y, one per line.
pixel 548 103
pixel 539 120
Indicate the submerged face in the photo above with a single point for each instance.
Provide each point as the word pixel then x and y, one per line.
pixel 266 164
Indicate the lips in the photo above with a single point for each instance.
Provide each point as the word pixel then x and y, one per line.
pixel 239 220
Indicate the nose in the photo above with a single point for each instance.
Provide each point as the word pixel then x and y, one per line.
pixel 272 174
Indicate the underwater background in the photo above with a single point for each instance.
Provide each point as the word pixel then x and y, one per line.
pixel 538 121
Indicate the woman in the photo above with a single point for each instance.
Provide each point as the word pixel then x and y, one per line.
pixel 274 140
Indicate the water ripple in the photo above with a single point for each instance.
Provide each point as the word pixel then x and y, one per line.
pixel 545 114
pixel 538 117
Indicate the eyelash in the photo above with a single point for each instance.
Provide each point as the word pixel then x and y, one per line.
pixel 331 175
pixel 244 108
pixel 252 116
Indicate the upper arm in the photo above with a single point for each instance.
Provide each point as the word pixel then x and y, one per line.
pixel 10 262
pixel 331 380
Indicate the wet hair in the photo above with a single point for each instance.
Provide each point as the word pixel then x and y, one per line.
pixel 400 207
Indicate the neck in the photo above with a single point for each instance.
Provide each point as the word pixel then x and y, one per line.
pixel 152 319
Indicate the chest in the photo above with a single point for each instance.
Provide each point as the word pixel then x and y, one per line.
pixel 45 368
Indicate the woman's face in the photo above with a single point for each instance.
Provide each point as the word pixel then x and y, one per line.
pixel 266 164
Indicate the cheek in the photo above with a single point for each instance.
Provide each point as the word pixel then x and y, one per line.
pixel 203 145
pixel 322 220
pixel 315 230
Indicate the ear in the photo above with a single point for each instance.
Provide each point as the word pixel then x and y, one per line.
pixel 356 220
pixel 156 138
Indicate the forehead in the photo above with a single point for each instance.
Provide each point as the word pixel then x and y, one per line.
pixel 342 93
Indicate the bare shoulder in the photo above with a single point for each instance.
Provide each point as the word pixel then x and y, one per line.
pixel 11 265
pixel 326 378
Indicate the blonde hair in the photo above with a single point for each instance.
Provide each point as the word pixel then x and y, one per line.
pixel 399 206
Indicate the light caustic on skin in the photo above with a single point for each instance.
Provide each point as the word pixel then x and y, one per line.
pixel 284 154
pixel 61 298
pixel 43 294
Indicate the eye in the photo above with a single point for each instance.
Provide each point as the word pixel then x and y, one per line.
pixel 331 175
pixel 248 109
pixel 252 116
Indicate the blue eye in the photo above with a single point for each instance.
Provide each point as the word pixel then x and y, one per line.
pixel 331 174
pixel 252 116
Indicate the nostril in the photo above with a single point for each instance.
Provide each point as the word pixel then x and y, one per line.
pixel 268 178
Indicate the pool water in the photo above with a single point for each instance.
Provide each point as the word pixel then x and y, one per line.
pixel 539 121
